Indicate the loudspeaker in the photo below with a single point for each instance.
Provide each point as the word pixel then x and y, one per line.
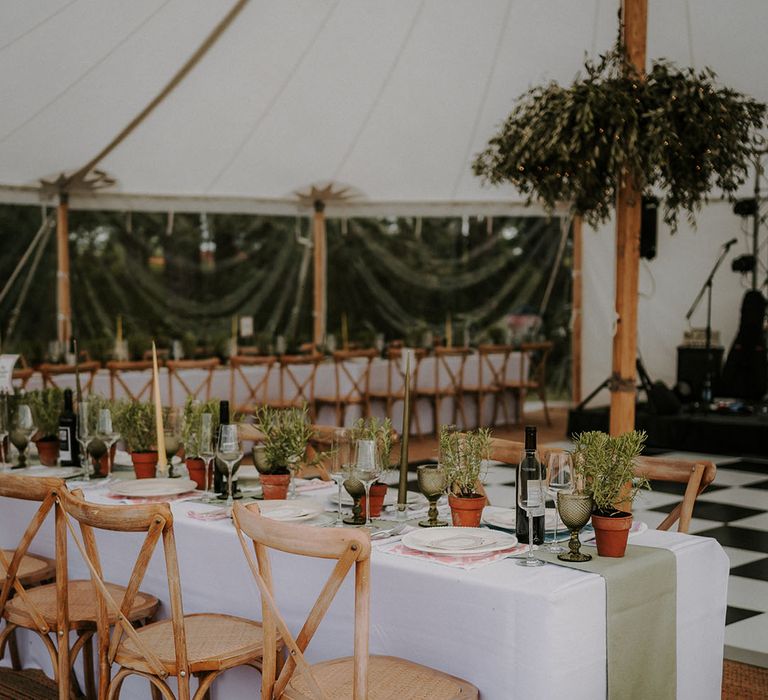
pixel 648 227
pixel 692 370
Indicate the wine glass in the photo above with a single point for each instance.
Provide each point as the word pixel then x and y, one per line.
pixel 559 480
pixel 107 434
pixel 229 451
pixel 530 497
pixel 23 428
pixel 367 469
pixel 4 430
pixel 206 452
pixel 85 434
pixel 432 482
pixel 341 458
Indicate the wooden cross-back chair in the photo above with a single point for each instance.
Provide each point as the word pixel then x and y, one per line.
pixel 448 383
pixel 531 375
pixel 256 387
pixel 52 373
pixel 141 370
pixel 696 476
pixel 350 388
pixel 393 678
pixel 20 377
pixel 20 570
pixel 491 364
pixel 295 390
pixel 203 644
pixel 394 387
pixel 202 389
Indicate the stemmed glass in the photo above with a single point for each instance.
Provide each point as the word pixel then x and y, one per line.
pixel 229 451
pixel 432 483
pixel 24 428
pixel 559 480
pixel 341 449
pixel 4 430
pixel 367 469
pixel 206 452
pixel 84 435
pixel 530 497
pixel 172 434
pixel 107 434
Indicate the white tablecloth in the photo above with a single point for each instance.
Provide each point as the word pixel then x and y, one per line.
pixel 513 632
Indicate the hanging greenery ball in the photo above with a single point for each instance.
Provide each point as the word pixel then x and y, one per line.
pixel 676 130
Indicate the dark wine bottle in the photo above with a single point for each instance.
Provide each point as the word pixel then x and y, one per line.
pixel 69 447
pixel 219 485
pixel 521 518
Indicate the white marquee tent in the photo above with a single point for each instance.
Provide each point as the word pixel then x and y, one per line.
pixel 391 99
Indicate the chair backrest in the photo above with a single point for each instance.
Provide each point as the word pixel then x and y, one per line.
pixel 449 369
pixel 297 379
pixel 44 490
pixel 347 547
pixel 492 362
pixel 349 384
pixel 534 359
pixel 21 377
pixel 695 475
pixel 53 374
pixel 127 375
pixel 251 372
pixel 188 386
pixel 156 521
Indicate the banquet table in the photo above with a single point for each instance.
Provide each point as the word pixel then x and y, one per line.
pixel 513 632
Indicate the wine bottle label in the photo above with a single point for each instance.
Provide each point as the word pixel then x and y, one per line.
pixel 65 445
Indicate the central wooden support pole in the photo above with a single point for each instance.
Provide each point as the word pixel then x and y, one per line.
pixel 63 300
pixel 576 316
pixel 628 210
pixel 319 238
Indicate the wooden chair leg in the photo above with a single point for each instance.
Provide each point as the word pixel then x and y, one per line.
pixel 13 648
pixel 543 397
pixel 156 695
pixel 90 685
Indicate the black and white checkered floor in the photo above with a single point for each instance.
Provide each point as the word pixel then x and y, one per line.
pixel 733 510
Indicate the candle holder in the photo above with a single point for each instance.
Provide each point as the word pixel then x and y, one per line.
pixel 432 483
pixel 575 511
pixel 356 489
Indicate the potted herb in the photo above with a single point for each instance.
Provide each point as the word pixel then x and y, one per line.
pixel 46 407
pixel 286 433
pixel 135 421
pixel 193 412
pixel 462 455
pixel 381 433
pixel 605 469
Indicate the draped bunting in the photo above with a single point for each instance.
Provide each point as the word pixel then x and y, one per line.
pixel 185 278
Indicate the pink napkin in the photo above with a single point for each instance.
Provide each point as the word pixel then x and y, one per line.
pixel 155 499
pixel 304 485
pixel 218 514
pixel 464 561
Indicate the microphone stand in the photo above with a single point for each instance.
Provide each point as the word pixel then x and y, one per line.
pixel 706 394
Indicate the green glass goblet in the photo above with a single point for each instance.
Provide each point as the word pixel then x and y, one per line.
pixel 432 483
pixel 356 489
pixel 575 510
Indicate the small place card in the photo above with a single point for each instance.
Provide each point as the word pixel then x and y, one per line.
pixel 7 363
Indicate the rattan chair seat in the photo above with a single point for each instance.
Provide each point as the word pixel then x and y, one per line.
pixel 83 603
pixel 214 643
pixel 389 678
pixel 32 570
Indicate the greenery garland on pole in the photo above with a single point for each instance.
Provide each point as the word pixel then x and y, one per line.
pixel 676 130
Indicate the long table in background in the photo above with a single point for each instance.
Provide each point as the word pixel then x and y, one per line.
pixel 513 632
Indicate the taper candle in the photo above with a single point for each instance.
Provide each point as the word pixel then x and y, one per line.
pixel 119 333
pixel 448 331
pixel 161 459
pixel 402 488
pixel 78 388
pixel 344 331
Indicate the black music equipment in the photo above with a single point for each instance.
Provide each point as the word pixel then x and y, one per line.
pixel 648 227
pixel 661 399
pixel 744 263
pixel 745 207
pixel 745 374
pixel 692 371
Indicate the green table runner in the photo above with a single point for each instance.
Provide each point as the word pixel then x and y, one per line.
pixel 641 620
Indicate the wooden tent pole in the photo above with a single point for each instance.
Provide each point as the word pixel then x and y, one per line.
pixel 319 239
pixel 63 300
pixel 576 300
pixel 628 211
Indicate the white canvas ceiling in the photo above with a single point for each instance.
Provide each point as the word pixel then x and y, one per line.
pixel 391 98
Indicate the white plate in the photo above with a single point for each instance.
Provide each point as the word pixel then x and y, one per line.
pixel 505 517
pixel 465 541
pixel 294 510
pixel 144 488
pixel 53 472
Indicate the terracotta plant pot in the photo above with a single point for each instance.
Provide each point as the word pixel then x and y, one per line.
pixel 48 451
pixel 196 469
pixel 611 533
pixel 275 486
pixel 466 512
pixel 378 493
pixel 144 464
